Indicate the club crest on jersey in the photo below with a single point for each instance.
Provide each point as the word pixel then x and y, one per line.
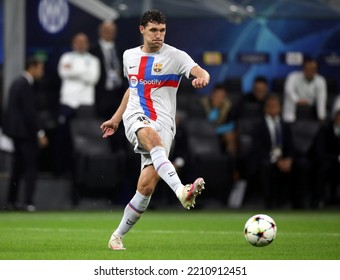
pixel 157 67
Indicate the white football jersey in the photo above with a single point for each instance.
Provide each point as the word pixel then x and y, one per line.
pixel 153 81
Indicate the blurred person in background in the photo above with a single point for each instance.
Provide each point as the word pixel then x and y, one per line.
pixel 219 112
pixel 326 154
pixel 273 153
pixel 79 72
pixel 305 88
pixel 252 103
pixel 109 90
pixel 21 123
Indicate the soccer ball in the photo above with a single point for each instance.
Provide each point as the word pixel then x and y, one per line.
pixel 260 230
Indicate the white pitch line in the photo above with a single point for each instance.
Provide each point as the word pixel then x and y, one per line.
pixel 187 232
pixel 203 232
pixel 54 229
pixel 229 232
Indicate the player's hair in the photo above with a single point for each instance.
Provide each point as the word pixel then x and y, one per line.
pixel 32 61
pixel 152 16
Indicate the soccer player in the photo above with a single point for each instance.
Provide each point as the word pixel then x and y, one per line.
pixel 148 108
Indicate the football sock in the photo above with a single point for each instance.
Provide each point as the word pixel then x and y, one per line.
pixel 132 212
pixel 165 168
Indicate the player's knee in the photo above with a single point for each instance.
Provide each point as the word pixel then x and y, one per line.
pixel 149 138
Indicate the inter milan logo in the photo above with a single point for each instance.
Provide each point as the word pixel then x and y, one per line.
pixel 157 67
pixel 53 14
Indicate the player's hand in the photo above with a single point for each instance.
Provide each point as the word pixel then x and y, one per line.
pixel 199 82
pixel 109 127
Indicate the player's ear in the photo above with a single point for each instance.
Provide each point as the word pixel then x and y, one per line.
pixel 141 29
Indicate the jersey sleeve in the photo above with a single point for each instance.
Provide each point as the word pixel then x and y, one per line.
pixel 125 71
pixel 185 63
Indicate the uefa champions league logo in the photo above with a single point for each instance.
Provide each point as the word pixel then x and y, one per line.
pixel 53 14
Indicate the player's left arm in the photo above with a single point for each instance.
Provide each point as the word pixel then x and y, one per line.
pixel 202 77
pixel 110 126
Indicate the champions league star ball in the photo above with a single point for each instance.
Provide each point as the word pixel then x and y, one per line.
pixel 260 230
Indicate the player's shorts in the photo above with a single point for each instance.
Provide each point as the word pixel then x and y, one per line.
pixel 137 121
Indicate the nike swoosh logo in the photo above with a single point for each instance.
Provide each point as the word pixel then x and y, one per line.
pixel 172 173
pixel 130 67
pixel 130 223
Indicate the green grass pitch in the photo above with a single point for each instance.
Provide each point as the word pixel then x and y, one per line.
pixel 165 235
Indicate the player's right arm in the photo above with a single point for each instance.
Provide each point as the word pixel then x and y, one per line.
pixel 202 77
pixel 110 126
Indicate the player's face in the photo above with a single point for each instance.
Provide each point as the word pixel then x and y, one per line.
pixel 153 35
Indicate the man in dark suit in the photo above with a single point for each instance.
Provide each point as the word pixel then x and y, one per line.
pixel 109 90
pixel 273 151
pixel 22 125
pixel 326 159
pixel 252 103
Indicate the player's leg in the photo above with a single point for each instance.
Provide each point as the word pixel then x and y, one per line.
pixel 149 138
pixel 151 141
pixel 136 207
